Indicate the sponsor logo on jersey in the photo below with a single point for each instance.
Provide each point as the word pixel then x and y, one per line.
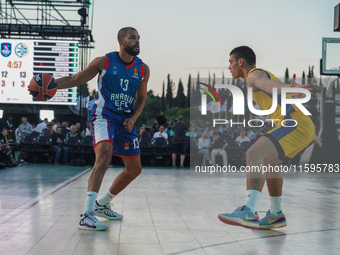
pixel 126 146
pixel 6 49
pixel 115 72
pixel 135 73
pixel 21 50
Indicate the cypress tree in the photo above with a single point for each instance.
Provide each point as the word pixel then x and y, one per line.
pixel 180 98
pixel 163 99
pixel 188 91
pixel 287 76
pixel 169 97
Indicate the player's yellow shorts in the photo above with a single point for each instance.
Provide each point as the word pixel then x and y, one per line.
pixel 293 136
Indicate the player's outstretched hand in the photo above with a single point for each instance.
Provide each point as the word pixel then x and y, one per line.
pixel 128 123
pixel 318 140
pixel 305 86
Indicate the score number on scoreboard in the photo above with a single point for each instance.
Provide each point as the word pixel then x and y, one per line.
pixel 21 59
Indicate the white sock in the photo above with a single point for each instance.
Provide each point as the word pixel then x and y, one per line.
pixel 275 204
pixel 252 199
pixel 106 198
pixel 90 200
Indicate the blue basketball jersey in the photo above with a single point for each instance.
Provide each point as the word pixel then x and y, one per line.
pixel 117 86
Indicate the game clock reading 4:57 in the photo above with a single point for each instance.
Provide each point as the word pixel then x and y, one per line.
pixel 21 59
pixel 4 74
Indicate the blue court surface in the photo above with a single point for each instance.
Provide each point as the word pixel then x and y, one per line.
pixel 166 211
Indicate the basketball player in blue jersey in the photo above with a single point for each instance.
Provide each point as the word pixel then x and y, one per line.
pixel 271 149
pixel 122 86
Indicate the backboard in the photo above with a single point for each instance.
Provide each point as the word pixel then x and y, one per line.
pixel 330 62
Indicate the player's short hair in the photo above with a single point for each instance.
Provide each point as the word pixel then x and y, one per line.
pixel 246 53
pixel 122 32
pixel 180 118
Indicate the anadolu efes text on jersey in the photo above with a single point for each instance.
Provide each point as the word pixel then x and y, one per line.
pixel 117 85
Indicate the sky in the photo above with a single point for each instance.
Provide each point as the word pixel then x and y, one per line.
pixel 182 37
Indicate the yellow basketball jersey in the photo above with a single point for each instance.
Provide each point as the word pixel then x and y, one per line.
pixel 265 100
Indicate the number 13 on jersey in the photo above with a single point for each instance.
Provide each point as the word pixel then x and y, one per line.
pixel 124 83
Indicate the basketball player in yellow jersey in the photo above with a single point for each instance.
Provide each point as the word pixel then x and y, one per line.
pixel 273 148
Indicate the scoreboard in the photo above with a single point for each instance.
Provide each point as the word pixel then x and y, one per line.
pixel 20 59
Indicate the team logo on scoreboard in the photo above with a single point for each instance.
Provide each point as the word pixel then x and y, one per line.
pixel 6 49
pixel 21 50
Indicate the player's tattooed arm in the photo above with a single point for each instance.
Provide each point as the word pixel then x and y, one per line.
pixel 96 66
pixel 140 100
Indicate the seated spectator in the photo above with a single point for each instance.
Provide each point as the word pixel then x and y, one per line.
pixel 9 124
pixel 242 138
pixel 41 126
pixel 257 135
pixel 64 128
pixel 251 134
pixel 78 126
pixel 88 130
pixel 229 132
pixel 218 149
pixel 74 133
pixel 25 128
pixel 143 133
pixel 49 130
pixel 6 149
pixel 237 132
pixel 155 127
pixel 161 133
pixel 57 145
pixel 55 125
pixel 203 147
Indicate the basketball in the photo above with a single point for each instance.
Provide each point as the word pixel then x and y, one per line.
pixel 42 87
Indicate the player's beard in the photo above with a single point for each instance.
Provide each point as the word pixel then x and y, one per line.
pixel 131 50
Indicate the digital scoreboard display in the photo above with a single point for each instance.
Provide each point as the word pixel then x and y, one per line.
pixel 20 59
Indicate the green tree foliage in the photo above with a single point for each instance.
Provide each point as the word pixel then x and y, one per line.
pixel 163 98
pixel 94 94
pixel 287 76
pixel 188 92
pixel 303 78
pixel 180 98
pixel 173 113
pixel 169 96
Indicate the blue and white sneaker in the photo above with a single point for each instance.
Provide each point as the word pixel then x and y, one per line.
pixel 89 222
pixel 106 212
pixel 273 221
pixel 242 216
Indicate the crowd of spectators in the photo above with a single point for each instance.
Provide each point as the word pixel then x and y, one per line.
pixel 12 138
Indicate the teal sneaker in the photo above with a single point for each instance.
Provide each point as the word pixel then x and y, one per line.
pixel 106 212
pixel 273 221
pixel 242 216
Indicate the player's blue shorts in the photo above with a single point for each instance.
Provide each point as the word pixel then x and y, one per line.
pixel 111 129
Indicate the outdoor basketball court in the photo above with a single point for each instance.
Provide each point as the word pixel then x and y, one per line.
pixel 166 211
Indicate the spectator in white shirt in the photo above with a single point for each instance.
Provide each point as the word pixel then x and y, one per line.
pixel 161 133
pixel 203 147
pixel 41 126
pixel 242 138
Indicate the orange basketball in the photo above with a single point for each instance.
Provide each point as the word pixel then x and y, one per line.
pixel 43 87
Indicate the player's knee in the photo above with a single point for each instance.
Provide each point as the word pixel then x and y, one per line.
pixel 133 173
pixel 103 159
pixel 252 156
